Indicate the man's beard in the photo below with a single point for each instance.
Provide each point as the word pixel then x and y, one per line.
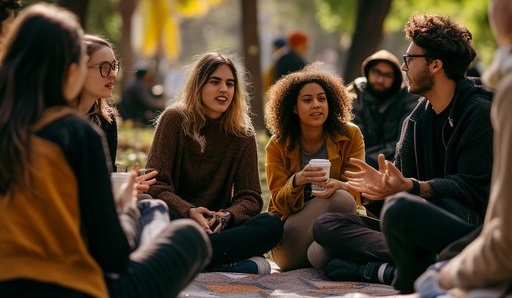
pixel 379 94
pixel 422 82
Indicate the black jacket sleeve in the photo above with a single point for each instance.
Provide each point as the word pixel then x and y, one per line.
pixel 85 149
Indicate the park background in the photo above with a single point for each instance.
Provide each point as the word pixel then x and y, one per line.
pixel 167 34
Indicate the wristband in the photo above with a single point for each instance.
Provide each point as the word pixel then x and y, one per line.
pixel 415 190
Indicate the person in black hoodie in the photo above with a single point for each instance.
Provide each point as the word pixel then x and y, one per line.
pixel 381 102
pixel 437 189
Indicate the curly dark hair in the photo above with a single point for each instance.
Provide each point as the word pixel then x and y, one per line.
pixel 442 38
pixel 283 123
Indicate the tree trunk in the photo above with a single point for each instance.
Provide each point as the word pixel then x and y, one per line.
pixel 126 8
pixel 251 46
pixel 79 7
pixel 367 36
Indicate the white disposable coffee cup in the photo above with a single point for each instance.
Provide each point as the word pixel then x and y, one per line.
pixel 118 178
pixel 325 164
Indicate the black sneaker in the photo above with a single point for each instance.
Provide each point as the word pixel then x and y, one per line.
pixel 254 265
pixel 373 272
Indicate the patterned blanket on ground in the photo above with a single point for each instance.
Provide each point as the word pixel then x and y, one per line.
pixel 295 283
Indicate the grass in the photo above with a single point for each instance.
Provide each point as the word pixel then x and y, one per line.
pixel 134 144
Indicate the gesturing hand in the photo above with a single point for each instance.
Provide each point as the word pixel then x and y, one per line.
pixel 144 180
pixel 373 184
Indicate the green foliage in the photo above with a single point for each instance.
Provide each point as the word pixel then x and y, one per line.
pixel 340 15
pixel 470 13
pixel 103 19
pixel 336 15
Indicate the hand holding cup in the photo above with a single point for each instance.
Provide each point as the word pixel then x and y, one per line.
pixel 325 166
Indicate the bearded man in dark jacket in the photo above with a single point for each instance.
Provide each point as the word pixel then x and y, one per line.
pixel 437 189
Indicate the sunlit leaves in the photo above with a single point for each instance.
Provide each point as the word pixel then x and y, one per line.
pixel 157 24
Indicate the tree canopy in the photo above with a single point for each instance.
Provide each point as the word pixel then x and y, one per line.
pixel 339 15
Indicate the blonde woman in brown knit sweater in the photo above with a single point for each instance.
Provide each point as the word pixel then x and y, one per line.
pixel 204 150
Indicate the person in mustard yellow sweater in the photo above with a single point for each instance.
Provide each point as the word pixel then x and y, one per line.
pixel 308 114
pixel 60 231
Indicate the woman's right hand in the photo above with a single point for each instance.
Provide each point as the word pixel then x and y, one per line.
pixel 310 175
pixel 145 180
pixel 202 216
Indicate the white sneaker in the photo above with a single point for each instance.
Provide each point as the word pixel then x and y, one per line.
pixel 253 265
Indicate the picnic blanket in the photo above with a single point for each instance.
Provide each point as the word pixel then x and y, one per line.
pixel 296 283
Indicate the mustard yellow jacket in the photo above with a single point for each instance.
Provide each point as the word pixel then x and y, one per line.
pixel 281 166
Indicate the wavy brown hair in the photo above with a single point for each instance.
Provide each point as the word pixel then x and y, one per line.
pixel 283 123
pixel 442 38
pixel 42 44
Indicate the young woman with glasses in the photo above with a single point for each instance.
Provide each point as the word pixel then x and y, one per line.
pixel 95 98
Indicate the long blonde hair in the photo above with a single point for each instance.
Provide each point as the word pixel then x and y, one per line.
pixel 236 119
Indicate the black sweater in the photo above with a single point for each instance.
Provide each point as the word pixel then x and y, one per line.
pixel 469 155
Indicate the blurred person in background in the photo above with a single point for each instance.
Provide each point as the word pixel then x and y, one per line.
pixel 138 103
pixel 279 48
pixel 381 102
pixel 294 59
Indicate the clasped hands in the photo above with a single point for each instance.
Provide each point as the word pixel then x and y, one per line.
pixel 211 221
pixel 377 184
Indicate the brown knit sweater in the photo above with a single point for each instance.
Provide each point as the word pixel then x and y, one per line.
pixel 218 171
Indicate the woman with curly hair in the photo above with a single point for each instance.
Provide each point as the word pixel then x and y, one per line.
pixel 308 114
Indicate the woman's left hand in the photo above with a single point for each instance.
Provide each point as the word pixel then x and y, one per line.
pixel 219 221
pixel 144 180
pixel 330 186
